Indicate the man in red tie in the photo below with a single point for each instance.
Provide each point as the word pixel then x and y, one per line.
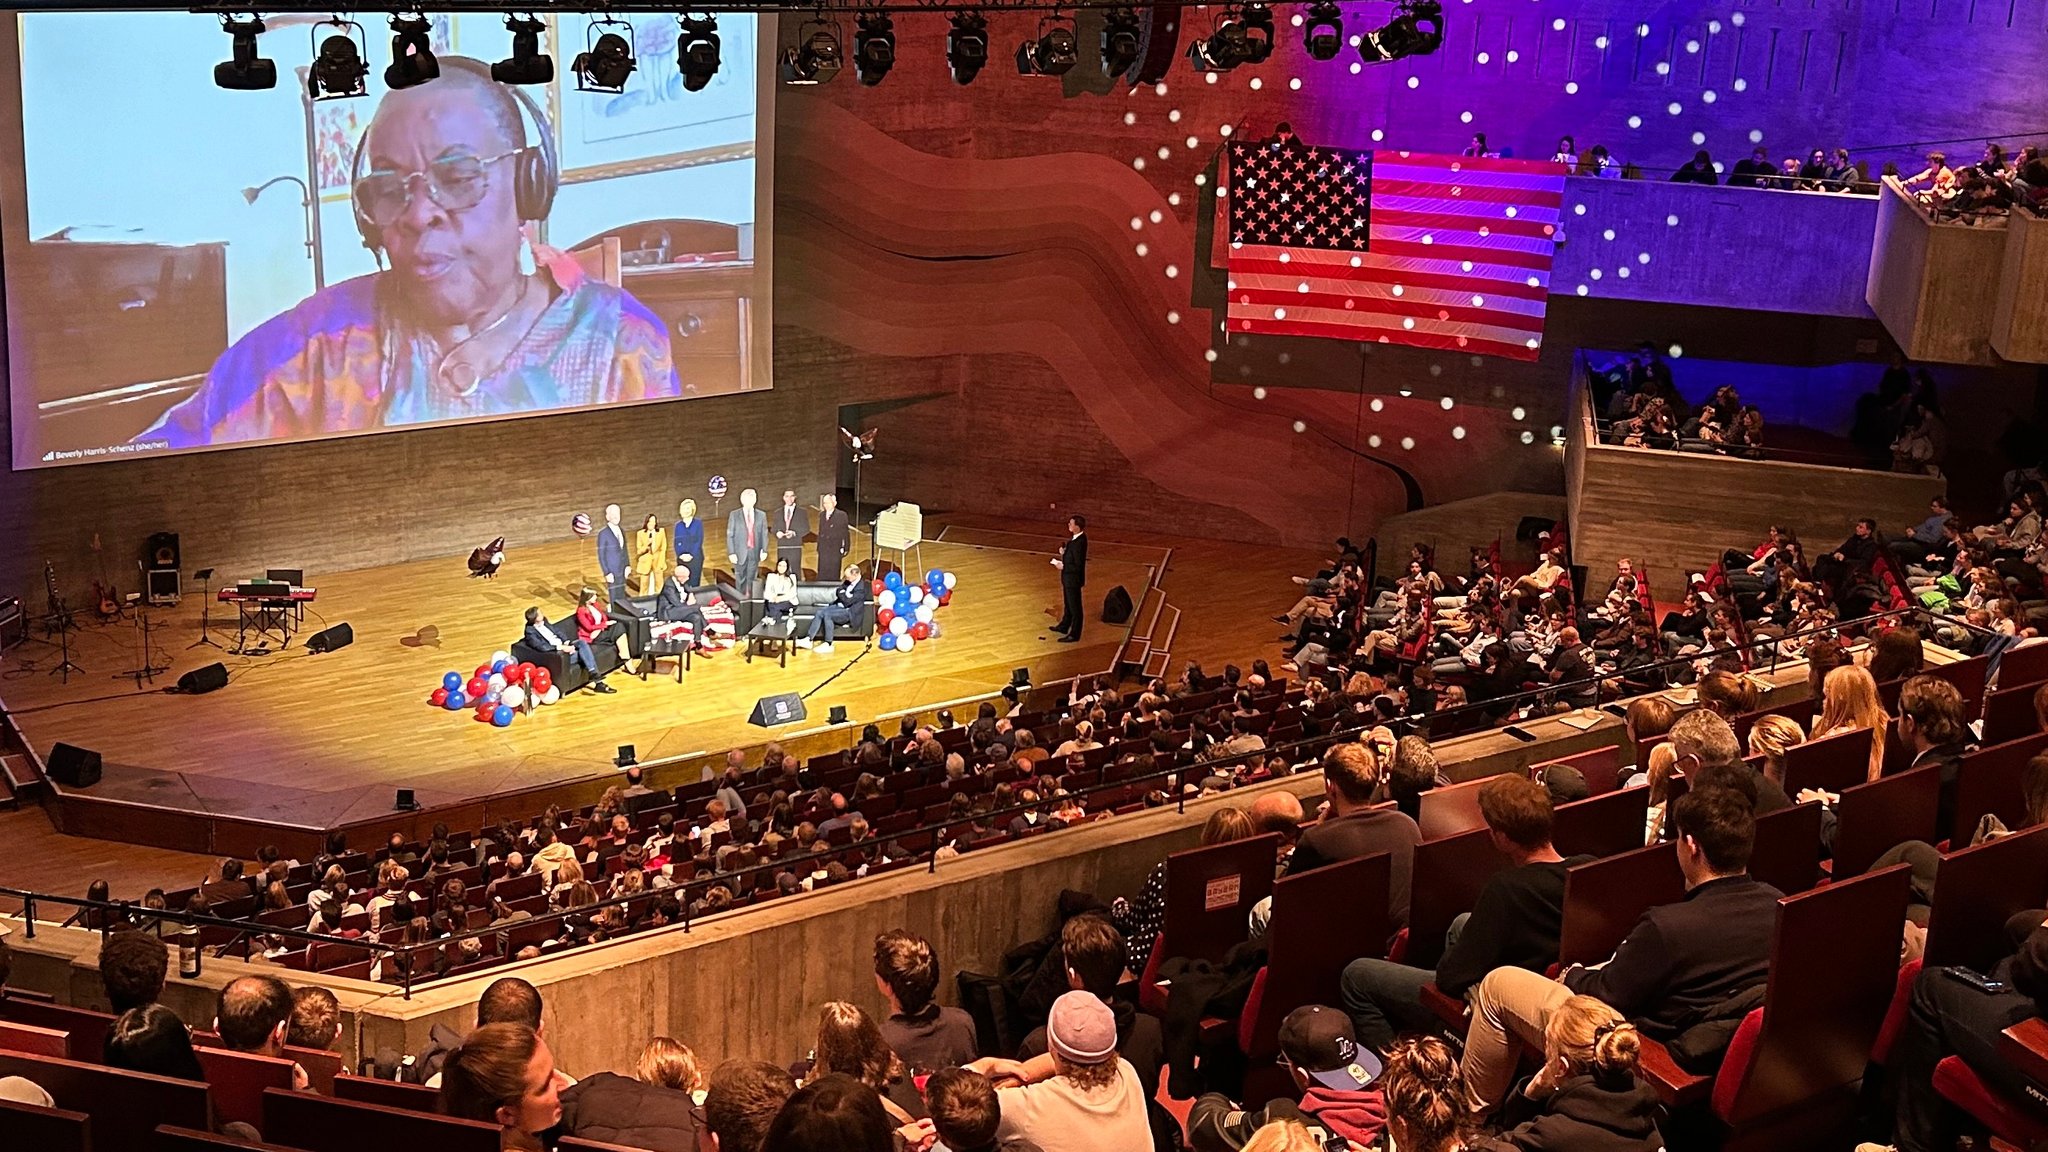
pixel 792 524
pixel 746 536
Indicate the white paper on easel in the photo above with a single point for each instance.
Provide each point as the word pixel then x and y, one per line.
pixel 899 526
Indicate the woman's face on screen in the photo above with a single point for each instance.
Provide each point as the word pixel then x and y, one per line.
pixel 455 266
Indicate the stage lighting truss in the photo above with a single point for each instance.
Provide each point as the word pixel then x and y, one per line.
pixel 967 46
pixel 816 58
pixel 412 52
pixel 1056 50
pixel 1417 29
pixel 337 71
pixel 244 70
pixel 1323 31
pixel 1243 34
pixel 698 52
pixel 874 46
pixel 606 62
pixel 1122 38
pixel 527 64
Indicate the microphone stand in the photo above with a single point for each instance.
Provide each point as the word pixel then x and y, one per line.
pixel 205 578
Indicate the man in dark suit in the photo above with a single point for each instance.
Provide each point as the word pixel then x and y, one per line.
pixel 746 536
pixel 677 604
pixel 846 601
pixel 792 524
pixel 835 536
pixel 611 553
pixel 544 638
pixel 1073 565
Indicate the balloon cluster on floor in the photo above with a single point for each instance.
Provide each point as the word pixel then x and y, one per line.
pixel 907 613
pixel 497 691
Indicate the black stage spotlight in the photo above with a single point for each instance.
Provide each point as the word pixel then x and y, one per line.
pixel 412 55
pixel 1054 53
pixel 1417 29
pixel 1121 36
pixel 527 64
pixel 1226 46
pixel 606 62
pixel 816 58
pixel 244 71
pixel 1258 30
pixel 337 71
pixel 967 46
pixel 874 46
pixel 697 50
pixel 1323 34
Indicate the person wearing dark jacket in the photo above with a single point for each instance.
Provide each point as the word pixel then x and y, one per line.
pixel 615 1109
pixel 1333 1076
pixel 1678 962
pixel 1092 951
pixel 1588 1097
pixel 1515 921
pixel 1351 827
pixel 1851 558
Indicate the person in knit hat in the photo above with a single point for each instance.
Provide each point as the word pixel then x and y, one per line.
pixel 1334 1076
pixel 1078 1097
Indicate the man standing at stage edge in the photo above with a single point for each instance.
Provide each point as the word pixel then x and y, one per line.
pixel 1073 565
pixel 746 537
pixel 835 536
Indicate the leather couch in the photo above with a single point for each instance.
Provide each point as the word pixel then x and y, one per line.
pixel 568 673
pixel 809 595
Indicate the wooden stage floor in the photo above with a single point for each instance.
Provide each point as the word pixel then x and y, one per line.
pixel 317 741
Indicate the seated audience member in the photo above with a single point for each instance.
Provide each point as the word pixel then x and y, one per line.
pixel 1702 741
pixel 1663 766
pixel 1141 919
pixel 849 1043
pixel 152 1039
pixel 1728 694
pixel 918 1029
pixel 132 968
pixel 316 1019
pixel 1947 1016
pixel 229 887
pixel 965 1115
pixel 506 1000
pixel 1770 737
pixel 740 1102
pixel 1425 1108
pixel 1093 952
pixel 1081 1096
pixel 253 1015
pixel 1334 1081
pixel 1931 722
pixel 1700 170
pixel 503 1074
pixel 1647 718
pixel 835 1113
pixel 652 1109
pixel 1680 963
pixel 1411 771
pixel 1587 1097
pixel 1349 827
pixel 1514 923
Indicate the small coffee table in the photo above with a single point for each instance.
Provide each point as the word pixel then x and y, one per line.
pixel 781 633
pixel 677 646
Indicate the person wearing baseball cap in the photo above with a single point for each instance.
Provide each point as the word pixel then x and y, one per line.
pixel 1335 1076
pixel 1078 1097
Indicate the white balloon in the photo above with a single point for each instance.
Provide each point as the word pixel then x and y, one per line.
pixel 952 581
pixel 899 626
pixel 887 599
pixel 504 656
pixel 931 601
pixel 513 695
pixel 905 643
pixel 552 695
pixel 924 613
pixel 497 681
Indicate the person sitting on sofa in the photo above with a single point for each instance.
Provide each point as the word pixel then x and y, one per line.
pixel 846 602
pixel 540 636
pixel 778 594
pixel 678 605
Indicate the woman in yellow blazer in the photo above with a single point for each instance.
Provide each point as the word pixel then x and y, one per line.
pixel 651 558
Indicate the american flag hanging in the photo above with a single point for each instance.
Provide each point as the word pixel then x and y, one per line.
pixel 1449 252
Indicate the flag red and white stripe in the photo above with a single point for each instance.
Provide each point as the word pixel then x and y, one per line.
pixel 1448 252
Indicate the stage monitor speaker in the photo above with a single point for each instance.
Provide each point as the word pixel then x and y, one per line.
pixel 1116 607
pixel 404 801
pixel 837 715
pixel 74 767
pixel 329 639
pixel 781 708
pixel 161 550
pixel 202 680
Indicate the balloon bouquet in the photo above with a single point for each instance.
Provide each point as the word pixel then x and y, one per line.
pixel 907 613
pixel 499 691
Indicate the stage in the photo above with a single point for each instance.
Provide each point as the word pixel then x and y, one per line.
pixel 320 741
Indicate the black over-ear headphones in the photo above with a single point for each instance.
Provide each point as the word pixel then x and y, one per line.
pixel 536 173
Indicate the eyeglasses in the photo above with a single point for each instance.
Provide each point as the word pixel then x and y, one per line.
pixel 454 183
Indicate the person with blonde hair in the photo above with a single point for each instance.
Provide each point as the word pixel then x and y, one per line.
pixel 1663 766
pixel 1849 701
pixel 1588 1096
pixel 1283 1136
pixel 670 1063
pixel 655 1108
pixel 1770 737
pixel 1425 1100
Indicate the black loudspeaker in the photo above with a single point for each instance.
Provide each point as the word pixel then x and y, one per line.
pixel 781 708
pixel 329 639
pixel 1116 607
pixel 202 680
pixel 161 551
pixel 404 801
pixel 74 767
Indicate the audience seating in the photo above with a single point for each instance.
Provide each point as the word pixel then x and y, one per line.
pixel 1602 825
pixel 1449 810
pixel 124 1106
pixel 2025 664
pixel 389 1093
pixel 1209 897
pixel 1600 766
pixel 45 1129
pixel 317 1124
pixel 1988 780
pixel 1603 899
pixel 36 1041
pixel 2009 715
pixel 1878 816
pixel 235 1082
pixel 1447 876
pixel 88 1029
pixel 1830 764
pixel 169 1138
pixel 1787 851
pixel 1981 888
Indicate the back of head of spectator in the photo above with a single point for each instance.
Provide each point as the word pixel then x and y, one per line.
pixel 1585 1037
pixel 1930 712
pixel 670 1063
pixel 1770 737
pixel 503 1074
pixel 905 970
pixel 1565 784
pixel 1895 653
pixel 316 1019
pixel 253 1014
pixel 1225 825
pixel 1283 1136
pixel 510 1000
pixel 152 1039
pixel 1081 1032
pixel 1822 657
pixel 1648 718
pixel 1518 812
pixel 1716 829
pixel 1425 1096
pixel 742 1100
pixel 132 969
pixel 1277 812
pixel 834 1113
pixel 2034 789
pixel 1351 774
pixel 850 1042
pixel 1701 737
pixel 964 1109
pixel 1094 954
pixel 1727 694
pixel 1738 778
